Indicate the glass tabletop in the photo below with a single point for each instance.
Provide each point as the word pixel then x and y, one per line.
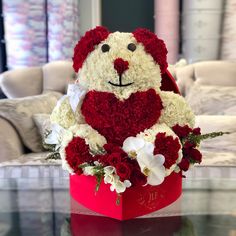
pixel 43 206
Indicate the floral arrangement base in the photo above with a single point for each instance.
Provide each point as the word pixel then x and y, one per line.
pixel 134 202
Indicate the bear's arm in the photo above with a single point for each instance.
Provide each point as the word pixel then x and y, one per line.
pixel 175 110
pixel 63 114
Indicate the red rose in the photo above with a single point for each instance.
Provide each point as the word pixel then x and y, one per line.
pixel 189 145
pixel 123 171
pixel 184 164
pixel 103 159
pixel 196 131
pixel 137 178
pixel 112 148
pixel 168 147
pixel 181 131
pixel 195 155
pixel 77 152
pixel 114 159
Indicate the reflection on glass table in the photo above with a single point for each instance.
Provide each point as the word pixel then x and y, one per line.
pixel 42 206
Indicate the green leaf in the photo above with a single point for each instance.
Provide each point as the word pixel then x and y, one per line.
pixel 83 165
pixel 196 139
pixel 53 156
pixel 99 181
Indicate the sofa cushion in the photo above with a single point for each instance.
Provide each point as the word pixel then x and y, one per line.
pixel 10 144
pixel 210 123
pixel 211 100
pixel 19 113
pixel 57 75
pixel 22 82
pixel 221 73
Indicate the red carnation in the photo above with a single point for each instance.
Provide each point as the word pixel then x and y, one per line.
pixel 77 152
pixel 184 164
pixel 182 131
pixel 121 66
pixel 154 46
pixel 168 147
pixel 117 120
pixel 123 171
pixel 87 44
pixel 137 178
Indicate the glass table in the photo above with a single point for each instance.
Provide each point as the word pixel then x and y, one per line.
pixel 39 205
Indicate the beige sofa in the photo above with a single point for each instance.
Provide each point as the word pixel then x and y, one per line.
pixel 36 90
pixel 30 90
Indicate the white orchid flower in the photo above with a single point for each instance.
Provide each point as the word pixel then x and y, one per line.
pixel 118 185
pixel 132 145
pixel 110 177
pixel 151 165
pixel 109 172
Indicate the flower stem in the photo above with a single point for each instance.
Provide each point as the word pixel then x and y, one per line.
pixel 198 138
pixel 118 199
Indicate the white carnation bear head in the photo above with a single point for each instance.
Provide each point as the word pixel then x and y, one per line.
pixel 120 63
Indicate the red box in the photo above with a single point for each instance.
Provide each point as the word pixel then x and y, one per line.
pixel 134 202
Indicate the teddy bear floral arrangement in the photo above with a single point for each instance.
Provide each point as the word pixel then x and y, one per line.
pixel 117 122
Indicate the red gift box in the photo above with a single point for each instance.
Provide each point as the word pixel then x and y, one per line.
pixel 134 202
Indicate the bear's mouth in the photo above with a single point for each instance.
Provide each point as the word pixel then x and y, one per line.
pixel 120 83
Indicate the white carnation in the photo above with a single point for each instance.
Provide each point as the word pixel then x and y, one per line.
pixel 63 114
pixel 91 136
pixel 149 135
pixel 176 110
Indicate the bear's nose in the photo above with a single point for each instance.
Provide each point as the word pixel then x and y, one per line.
pixel 121 65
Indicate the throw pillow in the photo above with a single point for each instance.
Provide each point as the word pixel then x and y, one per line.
pixel 43 123
pixel 211 100
pixel 19 113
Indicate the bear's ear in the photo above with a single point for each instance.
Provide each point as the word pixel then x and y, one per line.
pixel 87 44
pixel 154 46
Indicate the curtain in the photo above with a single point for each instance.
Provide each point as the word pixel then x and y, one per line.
pixel 39 31
pixel 25 32
pixel 63 28
pixel 228 46
pixel 201 29
pixel 167 26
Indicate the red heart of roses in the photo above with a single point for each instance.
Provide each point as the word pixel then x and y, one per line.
pixel 117 120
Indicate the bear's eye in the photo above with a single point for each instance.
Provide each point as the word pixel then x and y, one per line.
pixel 105 48
pixel 131 47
